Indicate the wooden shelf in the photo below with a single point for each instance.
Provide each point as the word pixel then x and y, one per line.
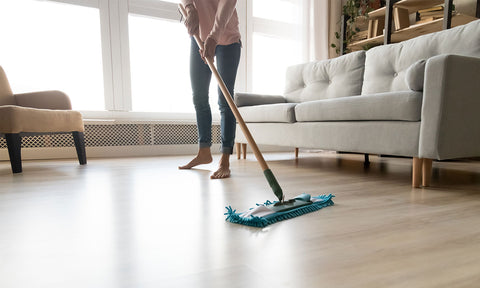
pixel 411 5
pixel 415 5
pixel 357 46
pixel 377 13
pixel 413 31
pixel 429 27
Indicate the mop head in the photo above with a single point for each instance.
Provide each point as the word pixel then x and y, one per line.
pixel 267 213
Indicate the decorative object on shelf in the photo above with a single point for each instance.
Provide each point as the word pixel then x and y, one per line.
pixel 355 23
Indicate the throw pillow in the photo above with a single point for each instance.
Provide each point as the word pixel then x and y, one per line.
pixel 415 75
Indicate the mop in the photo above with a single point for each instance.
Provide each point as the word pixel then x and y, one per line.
pixel 268 212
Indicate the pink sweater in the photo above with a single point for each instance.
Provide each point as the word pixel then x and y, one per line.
pixel 218 18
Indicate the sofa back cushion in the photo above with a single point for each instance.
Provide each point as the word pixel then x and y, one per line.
pixel 6 95
pixel 326 79
pixel 386 66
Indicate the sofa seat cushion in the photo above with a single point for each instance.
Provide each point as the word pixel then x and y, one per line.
pixel 17 119
pixel 280 113
pixel 390 106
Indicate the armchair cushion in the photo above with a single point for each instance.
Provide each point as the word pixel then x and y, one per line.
pixel 16 119
pixel 55 100
pixel 6 95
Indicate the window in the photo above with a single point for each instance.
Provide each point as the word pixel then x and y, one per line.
pixel 159 59
pixel 277 10
pixel 277 41
pixel 159 54
pixel 133 55
pixel 53 46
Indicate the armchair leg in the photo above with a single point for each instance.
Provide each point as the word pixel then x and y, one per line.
pixel 79 140
pixel 296 152
pixel 244 150
pixel 14 145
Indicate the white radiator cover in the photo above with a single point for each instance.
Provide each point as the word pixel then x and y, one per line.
pixel 118 139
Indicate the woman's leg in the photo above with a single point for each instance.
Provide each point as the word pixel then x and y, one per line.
pixel 200 76
pixel 228 58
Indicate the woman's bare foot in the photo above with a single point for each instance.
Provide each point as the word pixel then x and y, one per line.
pixel 223 168
pixel 204 156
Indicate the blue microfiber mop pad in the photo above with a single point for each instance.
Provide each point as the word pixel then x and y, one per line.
pixel 266 217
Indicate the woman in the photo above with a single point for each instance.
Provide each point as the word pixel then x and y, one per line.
pixel 216 21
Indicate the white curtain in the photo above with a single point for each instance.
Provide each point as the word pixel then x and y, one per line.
pixel 324 21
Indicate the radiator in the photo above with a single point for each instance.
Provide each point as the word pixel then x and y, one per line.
pixel 110 138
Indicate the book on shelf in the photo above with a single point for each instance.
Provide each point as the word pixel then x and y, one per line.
pixel 375 27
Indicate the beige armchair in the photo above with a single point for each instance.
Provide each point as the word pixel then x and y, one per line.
pixel 46 112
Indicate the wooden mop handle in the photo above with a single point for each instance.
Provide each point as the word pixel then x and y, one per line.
pixel 230 102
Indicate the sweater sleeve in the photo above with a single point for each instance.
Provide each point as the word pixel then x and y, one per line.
pixel 224 13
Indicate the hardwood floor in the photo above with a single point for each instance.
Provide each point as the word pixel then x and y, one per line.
pixel 141 222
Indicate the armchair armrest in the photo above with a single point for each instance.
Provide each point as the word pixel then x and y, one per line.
pixel 55 100
pixel 450 121
pixel 250 99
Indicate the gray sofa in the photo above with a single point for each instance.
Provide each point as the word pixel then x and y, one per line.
pixel 419 98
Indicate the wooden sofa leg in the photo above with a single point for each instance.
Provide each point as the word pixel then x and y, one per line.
pixel 238 148
pixel 79 140
pixel 426 172
pixel 14 145
pixel 244 150
pixel 417 172
pixel 296 152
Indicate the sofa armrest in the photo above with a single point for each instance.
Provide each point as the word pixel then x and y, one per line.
pixel 450 120
pixel 250 99
pixel 55 100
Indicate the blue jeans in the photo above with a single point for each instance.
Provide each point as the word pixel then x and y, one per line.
pixel 227 58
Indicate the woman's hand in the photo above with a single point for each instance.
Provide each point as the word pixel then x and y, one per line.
pixel 192 20
pixel 208 51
